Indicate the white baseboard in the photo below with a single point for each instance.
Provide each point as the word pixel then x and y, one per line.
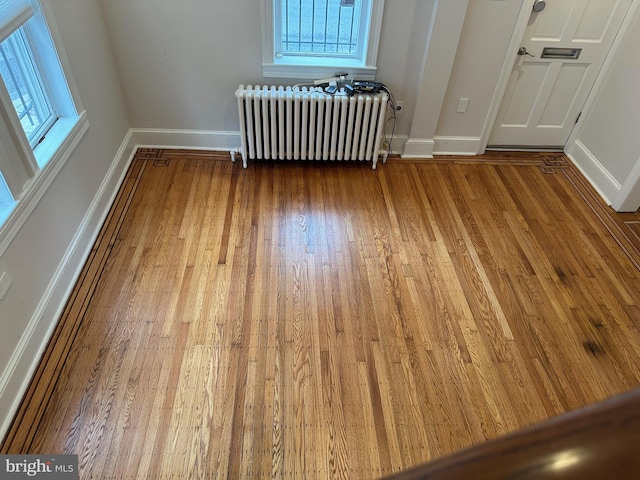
pixel 216 140
pixel 599 177
pixel 422 148
pixel 17 375
pixel 456 145
pixel 628 199
pixel 186 139
pixel 398 143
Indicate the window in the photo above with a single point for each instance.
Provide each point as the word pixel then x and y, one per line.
pixel 39 120
pixel 25 87
pixel 310 39
pixel 319 27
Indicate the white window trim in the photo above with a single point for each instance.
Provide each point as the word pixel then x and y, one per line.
pixel 38 185
pixel 50 156
pixel 304 69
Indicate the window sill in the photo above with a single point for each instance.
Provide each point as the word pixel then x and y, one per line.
pixel 312 70
pixel 55 139
pixel 51 155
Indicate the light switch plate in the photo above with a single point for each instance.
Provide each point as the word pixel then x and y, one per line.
pixel 463 103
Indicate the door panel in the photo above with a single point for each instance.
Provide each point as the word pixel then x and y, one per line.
pixel 526 89
pixel 595 19
pixel 563 95
pixel 545 96
pixel 545 26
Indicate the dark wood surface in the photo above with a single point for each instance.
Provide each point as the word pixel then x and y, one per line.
pixel 301 320
pixel 595 442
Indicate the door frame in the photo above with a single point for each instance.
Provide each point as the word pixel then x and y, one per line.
pixel 511 58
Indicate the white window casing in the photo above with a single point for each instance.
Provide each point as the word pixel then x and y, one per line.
pixel 27 171
pixel 361 66
pixel 13 14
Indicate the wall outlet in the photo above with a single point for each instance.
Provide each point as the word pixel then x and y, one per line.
pixel 463 103
pixel 399 108
pixel 5 284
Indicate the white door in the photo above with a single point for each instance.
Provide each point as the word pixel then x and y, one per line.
pixel 544 96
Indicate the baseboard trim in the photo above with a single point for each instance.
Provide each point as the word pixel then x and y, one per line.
pixel 221 141
pixel 398 143
pixel 186 139
pixel 421 148
pixel 456 145
pixel 628 198
pixel 17 375
pixel 599 177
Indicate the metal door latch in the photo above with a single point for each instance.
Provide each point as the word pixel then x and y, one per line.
pixel 523 51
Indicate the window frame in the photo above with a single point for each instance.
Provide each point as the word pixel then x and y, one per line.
pixel 29 171
pixel 320 66
pixel 21 46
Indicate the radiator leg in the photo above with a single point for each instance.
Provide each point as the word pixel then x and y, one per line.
pixel 234 153
pixel 385 154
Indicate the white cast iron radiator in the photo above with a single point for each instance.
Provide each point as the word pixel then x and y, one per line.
pixel 307 124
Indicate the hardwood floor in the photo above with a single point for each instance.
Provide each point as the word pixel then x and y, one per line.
pixel 320 320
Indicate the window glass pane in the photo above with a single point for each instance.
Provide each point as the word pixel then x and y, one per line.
pixel 6 200
pixel 320 26
pixel 25 87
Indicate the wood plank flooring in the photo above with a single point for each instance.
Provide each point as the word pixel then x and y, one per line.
pixel 324 320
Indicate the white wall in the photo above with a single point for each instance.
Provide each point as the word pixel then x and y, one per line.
pixel 181 62
pixel 443 35
pixel 486 33
pixel 50 248
pixel 607 147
